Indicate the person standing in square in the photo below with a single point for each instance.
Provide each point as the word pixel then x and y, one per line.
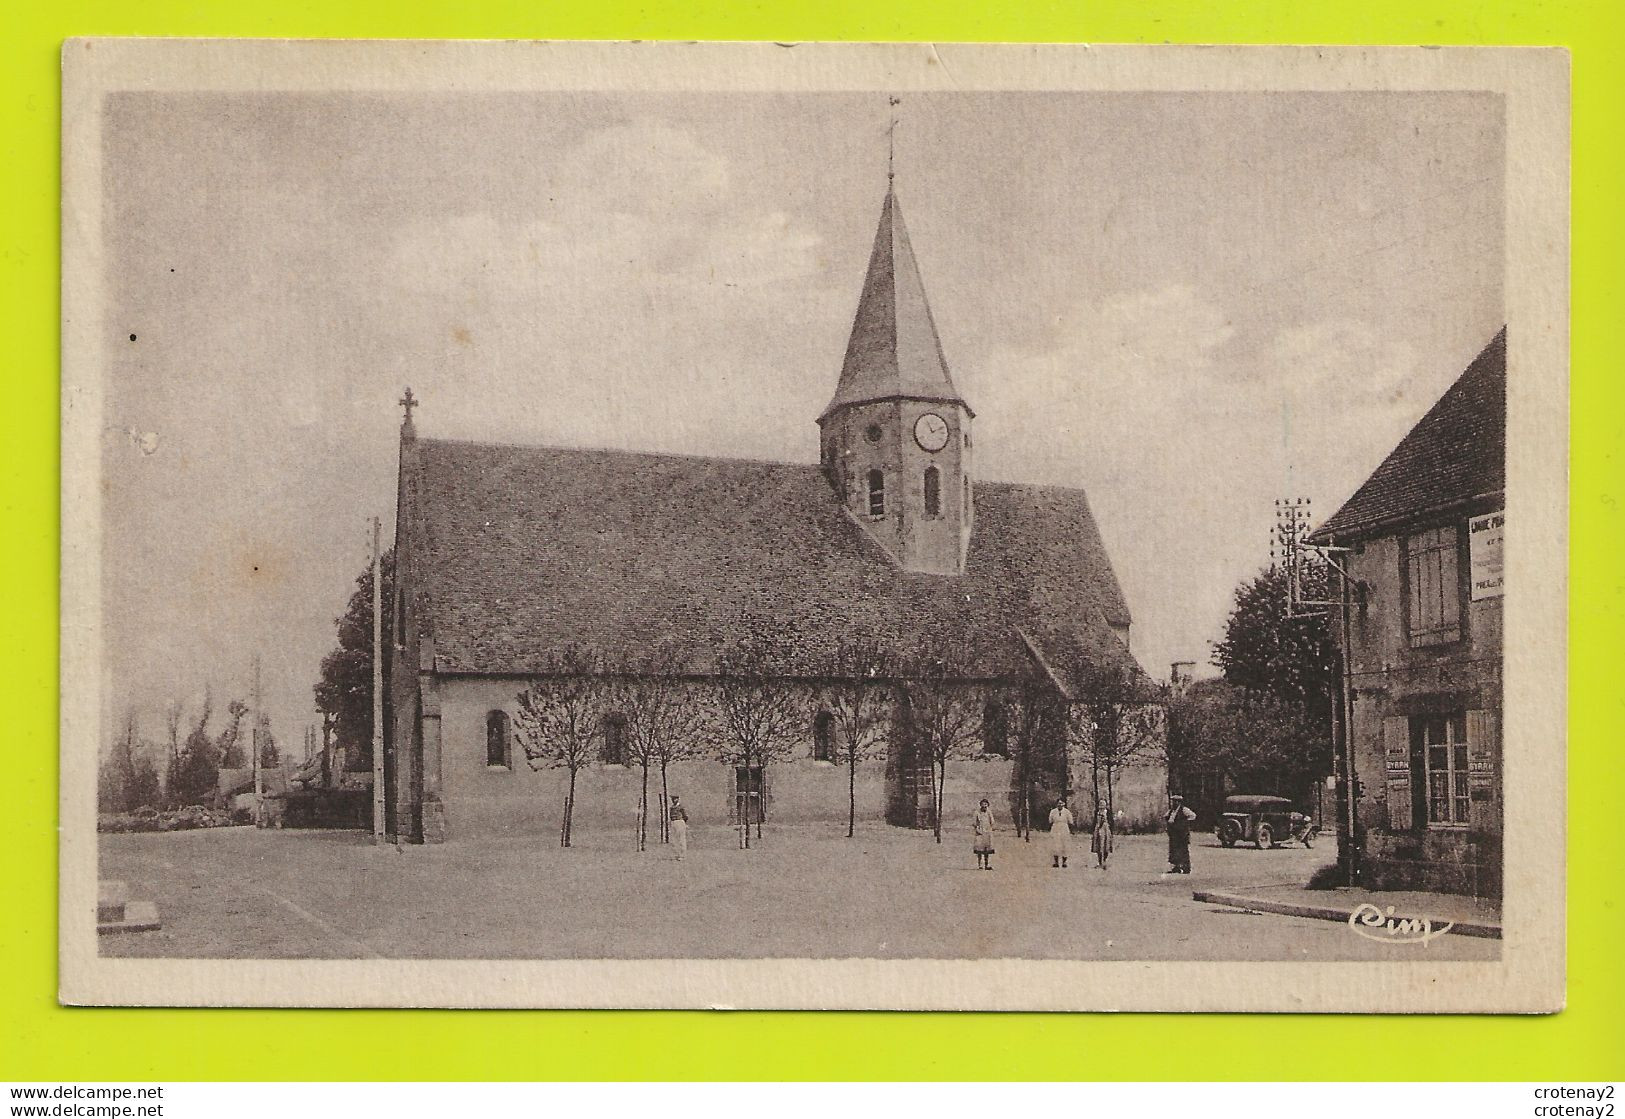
pixel 1060 833
pixel 679 827
pixel 983 829
pixel 1179 820
pixel 1100 842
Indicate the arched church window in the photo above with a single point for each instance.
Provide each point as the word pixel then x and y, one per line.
pixel 995 731
pixel 824 737
pixel 615 751
pixel 933 492
pixel 498 740
pixel 877 493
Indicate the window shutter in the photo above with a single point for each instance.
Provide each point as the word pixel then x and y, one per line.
pixel 1483 765
pixel 1396 760
pixel 1449 581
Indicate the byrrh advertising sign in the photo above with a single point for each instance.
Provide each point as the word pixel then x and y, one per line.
pixel 1485 536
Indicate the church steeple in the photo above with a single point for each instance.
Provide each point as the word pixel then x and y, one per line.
pixel 896 435
pixel 894 350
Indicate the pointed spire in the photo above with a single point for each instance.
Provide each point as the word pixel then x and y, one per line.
pixel 894 350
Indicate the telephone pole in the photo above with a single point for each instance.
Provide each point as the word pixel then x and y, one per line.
pixel 377 690
pixel 254 745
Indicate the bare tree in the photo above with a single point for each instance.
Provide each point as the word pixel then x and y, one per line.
pixel 947 708
pixel 560 715
pixel 174 714
pixel 759 715
pixel 1118 721
pixel 664 723
pixel 859 703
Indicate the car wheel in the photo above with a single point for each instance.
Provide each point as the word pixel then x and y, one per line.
pixel 1264 837
pixel 1229 833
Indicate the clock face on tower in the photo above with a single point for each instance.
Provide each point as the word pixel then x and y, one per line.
pixel 931 432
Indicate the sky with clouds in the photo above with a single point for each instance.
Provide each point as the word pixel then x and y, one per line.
pixel 1188 304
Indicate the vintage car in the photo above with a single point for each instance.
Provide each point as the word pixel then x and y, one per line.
pixel 1264 820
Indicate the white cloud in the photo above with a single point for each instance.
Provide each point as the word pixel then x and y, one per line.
pixel 1185 430
pixel 607 238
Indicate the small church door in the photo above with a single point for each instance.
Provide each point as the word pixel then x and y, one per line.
pixel 750 795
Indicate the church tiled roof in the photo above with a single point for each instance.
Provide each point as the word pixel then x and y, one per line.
pixel 894 350
pixel 1455 453
pixel 522 551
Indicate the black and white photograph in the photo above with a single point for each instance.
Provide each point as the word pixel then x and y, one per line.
pixel 814 526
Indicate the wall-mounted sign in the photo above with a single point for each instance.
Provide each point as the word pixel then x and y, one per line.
pixel 1485 537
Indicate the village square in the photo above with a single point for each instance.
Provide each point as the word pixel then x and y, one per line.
pixel 858 699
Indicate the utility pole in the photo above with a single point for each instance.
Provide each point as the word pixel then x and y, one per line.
pixel 254 745
pixel 377 689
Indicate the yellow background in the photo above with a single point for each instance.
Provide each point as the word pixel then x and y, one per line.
pixel 41 1041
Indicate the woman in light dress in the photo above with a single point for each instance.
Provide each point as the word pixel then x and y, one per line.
pixel 1060 833
pixel 679 827
pixel 983 845
pixel 1101 841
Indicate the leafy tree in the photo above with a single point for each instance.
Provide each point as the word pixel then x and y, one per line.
pixel 1260 741
pixel 859 704
pixel 759 718
pixel 946 714
pixel 109 789
pixel 560 716
pixel 127 779
pixel 1265 652
pixel 344 691
pixel 1283 672
pixel 228 745
pixel 198 775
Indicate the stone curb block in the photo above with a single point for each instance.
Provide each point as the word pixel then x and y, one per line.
pixel 1323 912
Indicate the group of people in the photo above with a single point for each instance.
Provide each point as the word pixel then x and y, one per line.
pixel 1178 821
pixel 1061 823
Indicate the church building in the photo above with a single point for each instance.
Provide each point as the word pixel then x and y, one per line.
pixel 506 555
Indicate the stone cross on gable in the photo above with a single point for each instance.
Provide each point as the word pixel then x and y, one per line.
pixel 408 402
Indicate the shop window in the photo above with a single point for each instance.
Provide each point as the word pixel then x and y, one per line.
pixel 498 740
pixel 1434 591
pixel 1441 743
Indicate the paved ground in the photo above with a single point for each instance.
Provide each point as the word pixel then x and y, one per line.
pixel 1468 916
pixel 803 892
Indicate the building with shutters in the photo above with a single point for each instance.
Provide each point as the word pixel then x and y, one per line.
pixel 1423 642
pixel 507 555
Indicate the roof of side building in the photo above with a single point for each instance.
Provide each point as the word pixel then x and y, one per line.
pixel 1454 454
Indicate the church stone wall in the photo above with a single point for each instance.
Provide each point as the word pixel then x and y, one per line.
pixel 482 800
